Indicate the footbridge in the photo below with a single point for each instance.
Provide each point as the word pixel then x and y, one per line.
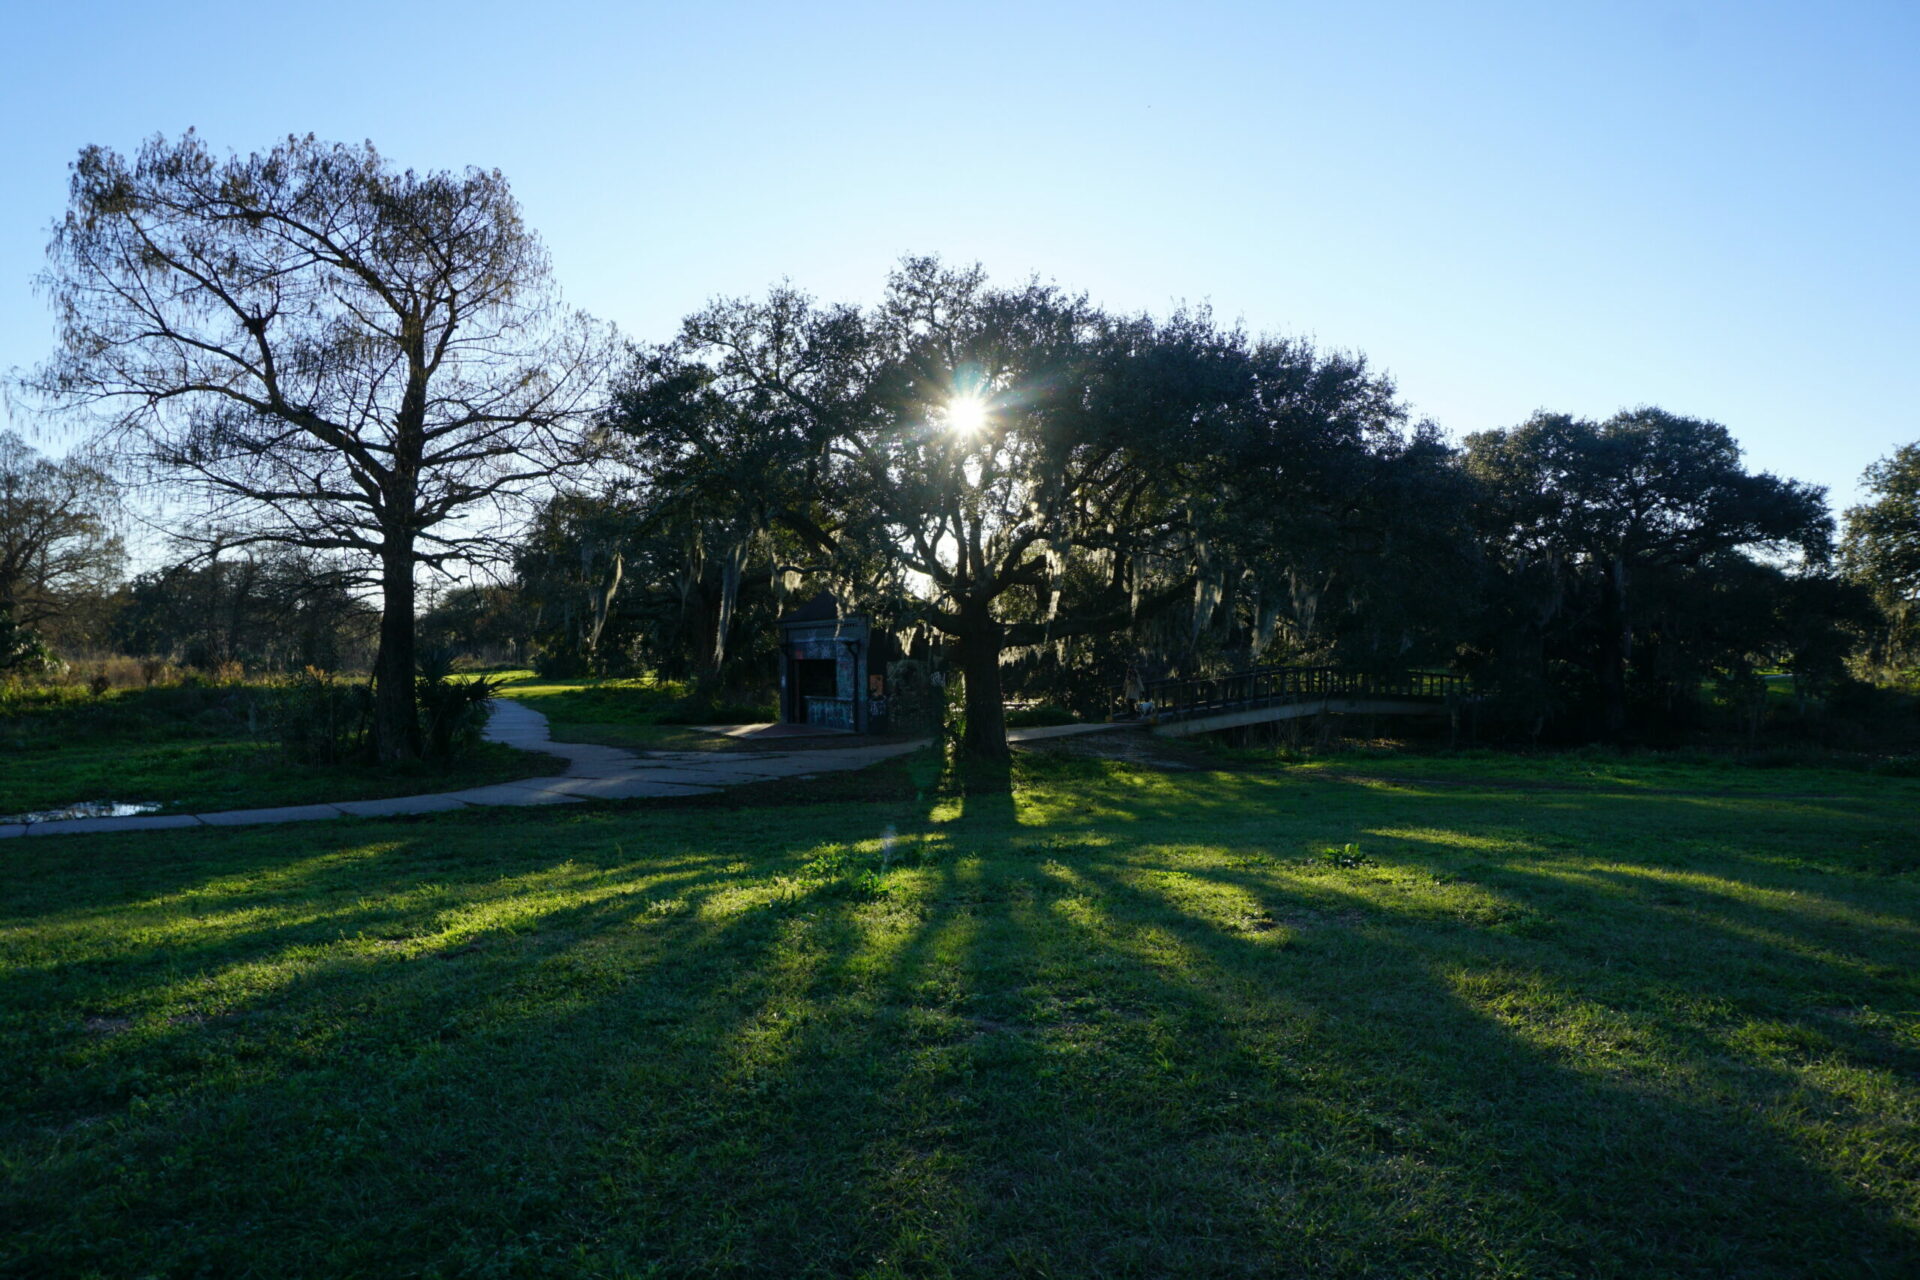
pixel 1261 695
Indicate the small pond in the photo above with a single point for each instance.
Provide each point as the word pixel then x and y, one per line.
pixel 85 809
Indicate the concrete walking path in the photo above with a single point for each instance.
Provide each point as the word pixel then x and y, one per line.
pixel 593 773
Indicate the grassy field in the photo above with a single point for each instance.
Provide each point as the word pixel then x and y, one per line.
pixel 636 713
pixel 1256 1021
pixel 1650 772
pixel 197 749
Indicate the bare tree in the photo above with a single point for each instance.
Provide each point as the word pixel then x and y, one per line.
pixel 330 353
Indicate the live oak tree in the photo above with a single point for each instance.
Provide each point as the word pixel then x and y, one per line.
pixel 1323 529
pixel 1004 436
pixel 1012 466
pixel 1602 520
pixel 637 576
pixel 569 568
pixel 328 352
pixel 935 456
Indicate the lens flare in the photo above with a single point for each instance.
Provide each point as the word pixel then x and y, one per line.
pixel 966 414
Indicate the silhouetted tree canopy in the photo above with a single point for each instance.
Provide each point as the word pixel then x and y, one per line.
pixel 720 431
pixel 57 544
pixel 272 608
pixel 1882 548
pixel 490 622
pixel 363 368
pixel 1012 467
pixel 1610 539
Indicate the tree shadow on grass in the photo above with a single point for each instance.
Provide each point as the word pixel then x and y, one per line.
pixel 1028 1048
pixel 1568 1165
pixel 45 876
pixel 185 945
pixel 439 1107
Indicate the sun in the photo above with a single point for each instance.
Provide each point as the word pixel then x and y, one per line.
pixel 966 414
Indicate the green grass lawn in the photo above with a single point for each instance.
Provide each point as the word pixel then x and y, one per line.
pixel 198 750
pixel 210 775
pixel 1261 1022
pixel 631 713
pixel 1597 767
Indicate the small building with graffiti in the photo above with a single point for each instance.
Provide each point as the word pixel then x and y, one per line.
pixel 830 673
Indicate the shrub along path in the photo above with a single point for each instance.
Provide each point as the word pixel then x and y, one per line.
pixel 593 773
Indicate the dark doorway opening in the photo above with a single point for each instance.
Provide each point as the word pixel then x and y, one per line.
pixel 811 678
pixel 816 678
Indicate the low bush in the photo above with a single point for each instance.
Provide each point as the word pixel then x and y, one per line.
pixel 22 651
pixel 1040 716
pixel 453 713
pixel 320 719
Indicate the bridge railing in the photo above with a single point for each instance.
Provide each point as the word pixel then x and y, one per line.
pixel 1269 686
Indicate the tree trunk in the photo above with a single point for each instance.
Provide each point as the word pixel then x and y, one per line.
pixel 601 603
pixel 986 734
pixel 731 565
pixel 396 722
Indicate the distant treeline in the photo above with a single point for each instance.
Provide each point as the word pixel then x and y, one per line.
pixel 1177 498
pixel 1049 497
pixel 356 380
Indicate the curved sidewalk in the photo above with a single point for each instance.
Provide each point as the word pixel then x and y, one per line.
pixel 593 773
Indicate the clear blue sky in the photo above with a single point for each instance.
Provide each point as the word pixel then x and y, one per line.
pixel 1710 207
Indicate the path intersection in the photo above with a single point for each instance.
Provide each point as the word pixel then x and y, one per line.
pixel 593 773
